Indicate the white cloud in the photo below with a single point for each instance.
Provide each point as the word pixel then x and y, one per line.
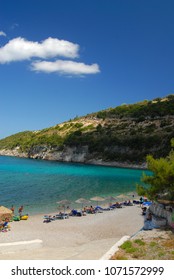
pixel 2 33
pixel 19 49
pixel 65 67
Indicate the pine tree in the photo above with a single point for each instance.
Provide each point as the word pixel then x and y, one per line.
pixel 161 182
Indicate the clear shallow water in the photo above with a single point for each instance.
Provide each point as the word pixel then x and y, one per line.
pixel 38 184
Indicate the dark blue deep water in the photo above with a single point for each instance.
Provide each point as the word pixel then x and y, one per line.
pixel 39 184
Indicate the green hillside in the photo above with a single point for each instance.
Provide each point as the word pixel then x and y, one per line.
pixel 126 133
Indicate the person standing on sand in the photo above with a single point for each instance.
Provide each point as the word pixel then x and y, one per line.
pixel 141 200
pixel 12 209
pixel 20 210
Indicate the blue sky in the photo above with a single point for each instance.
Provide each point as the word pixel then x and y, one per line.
pixel 65 58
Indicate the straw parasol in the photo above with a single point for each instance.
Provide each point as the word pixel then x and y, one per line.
pixel 122 197
pixel 64 203
pixel 5 213
pixel 82 201
pixel 97 198
pixel 110 199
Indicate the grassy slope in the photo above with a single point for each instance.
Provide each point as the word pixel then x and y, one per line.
pixel 121 133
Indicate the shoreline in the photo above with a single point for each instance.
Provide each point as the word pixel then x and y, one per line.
pixel 142 166
pixel 99 162
pixel 77 238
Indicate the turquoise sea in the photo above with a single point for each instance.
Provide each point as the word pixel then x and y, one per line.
pixel 39 184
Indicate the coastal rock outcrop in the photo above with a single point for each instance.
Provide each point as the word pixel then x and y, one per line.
pixel 13 153
pixel 69 154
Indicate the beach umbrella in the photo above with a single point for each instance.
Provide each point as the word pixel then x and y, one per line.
pixel 122 197
pixel 134 195
pixel 5 213
pixel 147 203
pixel 64 203
pixel 82 201
pixel 97 198
pixel 110 199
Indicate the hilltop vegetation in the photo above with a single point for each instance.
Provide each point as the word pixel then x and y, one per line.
pixel 159 107
pixel 125 133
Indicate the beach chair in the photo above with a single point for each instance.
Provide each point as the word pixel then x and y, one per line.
pixel 136 202
pixel 127 203
pixel 116 205
pixel 61 216
pixel 48 219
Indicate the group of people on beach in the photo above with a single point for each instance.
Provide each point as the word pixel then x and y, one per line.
pixel 85 210
pixel 4 223
pixel 89 209
pixel 20 209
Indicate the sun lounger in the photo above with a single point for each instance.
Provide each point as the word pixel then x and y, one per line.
pixel 48 219
pixel 61 216
pixel 116 205
pixel 136 202
pixel 127 203
pixel 90 211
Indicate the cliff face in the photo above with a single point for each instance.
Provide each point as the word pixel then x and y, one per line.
pixel 122 136
pixel 13 153
pixel 69 154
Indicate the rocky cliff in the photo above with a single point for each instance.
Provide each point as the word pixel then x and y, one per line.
pixel 69 154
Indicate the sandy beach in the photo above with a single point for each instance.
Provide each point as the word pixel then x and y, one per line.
pixel 77 238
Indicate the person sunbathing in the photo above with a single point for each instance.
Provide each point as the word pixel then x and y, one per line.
pixel 116 205
pixel 4 225
pixel 91 210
